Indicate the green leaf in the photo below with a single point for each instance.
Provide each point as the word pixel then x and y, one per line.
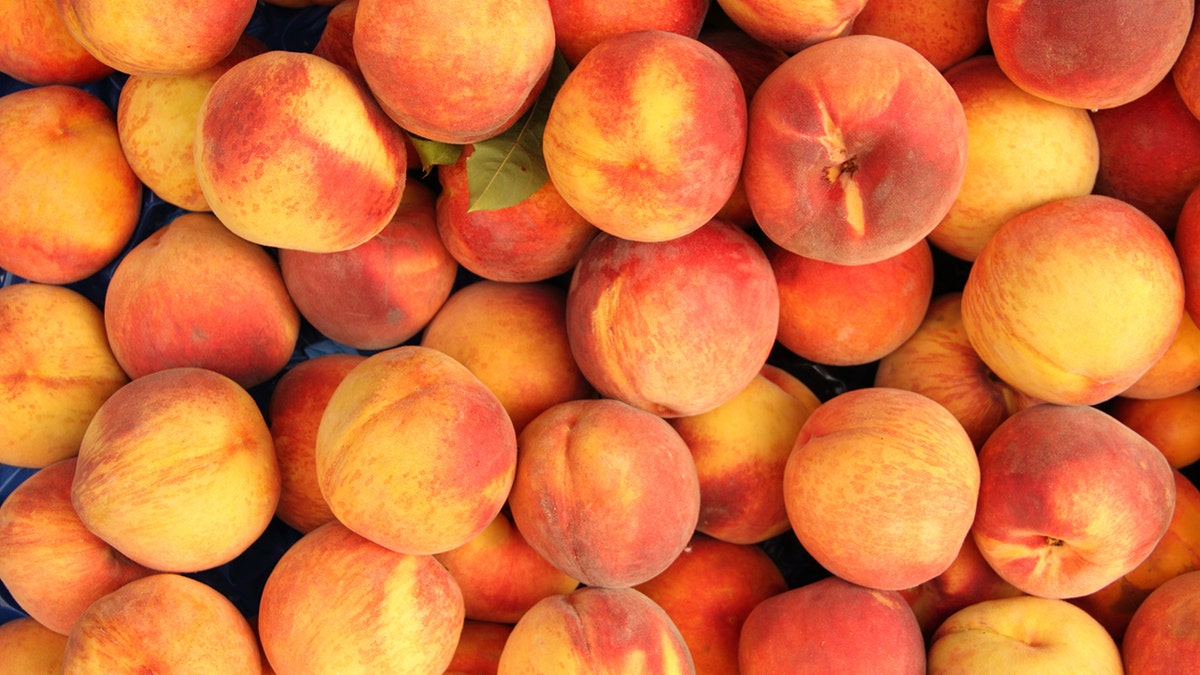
pixel 506 169
pixel 434 152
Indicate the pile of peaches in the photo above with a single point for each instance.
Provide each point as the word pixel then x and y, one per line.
pixel 559 336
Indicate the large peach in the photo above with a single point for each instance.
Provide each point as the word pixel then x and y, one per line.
pixel 1163 636
pixel 30 648
pixel 791 26
pixel 830 171
pixel 606 492
pixel 36 47
pixel 646 136
pixel 1172 424
pixel 292 151
pixel 1072 301
pixel 675 327
pixel 580 25
pixel 946 32
pixel 414 452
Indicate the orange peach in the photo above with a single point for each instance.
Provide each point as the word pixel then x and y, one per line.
pixel 1172 424
pixel 1074 300
pixel 440 69
pixel 382 292
pixel 827 156
pixel 946 32
pixel 513 337
pixel 292 151
pixel 580 25
pixel 69 201
pixel 1070 500
pixel 30 648
pixel 676 327
pixel 791 26
pixel 58 369
pixel 1163 635
pixel 479 648
pixel 1177 371
pixel 414 452
pixel 1087 55
pixel 338 603
pixel 1187 248
pixel 192 293
pixel 36 47
pixel 177 471
pixel 606 492
pixel 1022 151
pixel 645 137
pixel 881 487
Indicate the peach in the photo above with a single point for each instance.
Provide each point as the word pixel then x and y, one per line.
pixel 30 648
pixel 599 631
pixel 881 487
pixel 414 452
pixel 1032 305
pixel 946 32
pixel 338 603
pixel 440 69
pixel 676 327
pixel 1186 71
pixel 1177 371
pixel 53 566
pixel 832 626
pixel 177 471
pixel 740 449
pixel 162 623
pixel 294 410
pixel 1163 636
pixel 292 151
pixel 57 368
pixel 156 122
pixel 194 294
pixel 605 492
pixel 382 292
pixel 826 158
pixel 336 42
pixel 1087 55
pixel 938 361
pixel 479 648
pixel 1070 500
pixel 501 576
pixel 735 579
pixel 69 201
pixel 142 37
pixel 36 47
pixel 789 26
pixel 1187 248
pixel 645 137
pixel 1172 424
pixel 513 337
pixel 580 25
pixel 1022 151
pixel 1023 634
pixel 536 239
pixel 848 315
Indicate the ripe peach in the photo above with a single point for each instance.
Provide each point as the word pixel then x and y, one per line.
pixel 946 32
pixel 826 158
pixel 1187 248
pixel 30 648
pixel 580 25
pixel 479 648
pixel 1177 371
pixel 789 26
pixel 36 47
pixel 336 42
pixel 1163 636
pixel 1171 424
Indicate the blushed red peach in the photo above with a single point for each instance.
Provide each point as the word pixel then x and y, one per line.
pixel 1162 636
pixel 1187 248
pixel 36 47
pixel 790 26
pixel 479 648
pixel 580 25
pixel 946 32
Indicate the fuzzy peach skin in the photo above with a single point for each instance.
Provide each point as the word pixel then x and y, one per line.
pixel 513 337
pixel 36 47
pixel 881 486
pixel 832 626
pixel 156 122
pixel 177 471
pixel 294 411
pixel 1022 151
pixel 162 623
pixel 1072 301
pixel 597 631
pixel 338 603
pixel 1177 371
pixel 57 369
pixel 709 591
pixel 740 449
pixel 69 201
pixel 53 566
pixel 292 151
pixel 1023 634
pixel 848 315
pixel 946 32
pixel 145 37
pixel 336 42
pixel 414 452
pixel 426 64
pixel 646 136
pixel 539 238
pixel 676 327
pixel 385 290
pixel 580 25
pixel 938 361
pixel 1070 500
pixel 1172 424
pixel 479 648
pixel 1088 55
pixel 1187 248
pixel 791 26
pixel 606 492
pixel 192 293
pixel 30 648
pixel 857 148
pixel 1163 636
pixel 1186 71
pixel 501 576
